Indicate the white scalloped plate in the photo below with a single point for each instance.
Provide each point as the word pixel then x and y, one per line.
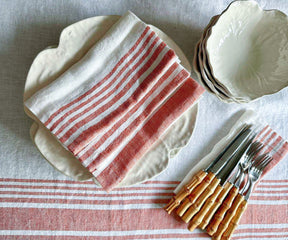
pixel 75 41
pixel 248 50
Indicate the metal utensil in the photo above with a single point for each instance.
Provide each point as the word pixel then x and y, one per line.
pixel 214 169
pixel 197 179
pixel 236 181
pixel 223 176
pixel 230 222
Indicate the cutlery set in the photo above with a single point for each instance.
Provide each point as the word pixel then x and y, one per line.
pixel 216 197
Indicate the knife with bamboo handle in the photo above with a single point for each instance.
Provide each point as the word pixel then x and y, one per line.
pixel 220 213
pixel 213 171
pixel 201 177
pixel 225 205
pixel 215 205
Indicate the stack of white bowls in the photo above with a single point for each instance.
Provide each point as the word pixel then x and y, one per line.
pixel 243 53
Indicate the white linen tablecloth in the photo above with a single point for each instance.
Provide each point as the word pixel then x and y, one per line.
pixel 37 202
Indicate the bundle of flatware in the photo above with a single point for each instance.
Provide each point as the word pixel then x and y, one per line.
pixel 216 197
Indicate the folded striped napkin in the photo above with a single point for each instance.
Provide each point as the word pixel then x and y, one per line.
pixel 272 141
pixel 110 107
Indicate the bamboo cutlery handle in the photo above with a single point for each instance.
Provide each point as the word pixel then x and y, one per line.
pixel 229 215
pixel 235 220
pixel 198 218
pixel 196 206
pixel 218 217
pixel 195 194
pixel 186 190
pixel 215 206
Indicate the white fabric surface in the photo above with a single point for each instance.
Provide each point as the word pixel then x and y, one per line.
pixel 27 27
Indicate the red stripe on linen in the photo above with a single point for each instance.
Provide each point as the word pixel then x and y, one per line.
pixel 88 133
pixel 118 220
pixel 74 219
pixel 155 103
pixel 136 100
pixel 270 186
pixel 92 183
pixel 262 230
pixel 271 190
pixel 85 202
pixel 270 198
pixel 274 180
pixel 284 237
pixel 117 202
pixel 175 236
pixel 86 188
pixel 161 182
pixel 263 138
pixel 126 66
pixel 103 80
pixel 277 157
pixel 135 194
pixel 90 194
pixel 178 103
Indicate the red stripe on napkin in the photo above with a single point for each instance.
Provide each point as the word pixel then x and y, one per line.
pixel 87 135
pixel 181 100
pixel 103 80
pixel 97 94
pixel 180 78
pixel 121 94
pixel 118 96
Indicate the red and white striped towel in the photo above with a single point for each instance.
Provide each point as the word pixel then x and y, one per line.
pixel 111 106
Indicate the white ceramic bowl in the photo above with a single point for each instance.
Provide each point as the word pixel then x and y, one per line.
pixel 247 50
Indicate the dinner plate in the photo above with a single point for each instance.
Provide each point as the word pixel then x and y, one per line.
pixel 75 41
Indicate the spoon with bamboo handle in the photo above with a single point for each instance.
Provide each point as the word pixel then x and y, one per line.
pixel 199 178
pixel 241 200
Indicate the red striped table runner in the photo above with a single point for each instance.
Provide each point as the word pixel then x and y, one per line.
pixel 54 209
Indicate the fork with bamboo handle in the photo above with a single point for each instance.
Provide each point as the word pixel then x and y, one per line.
pixel 215 188
pixel 237 179
pixel 219 215
pixel 199 178
pixel 214 169
pixel 229 215
pixel 240 204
